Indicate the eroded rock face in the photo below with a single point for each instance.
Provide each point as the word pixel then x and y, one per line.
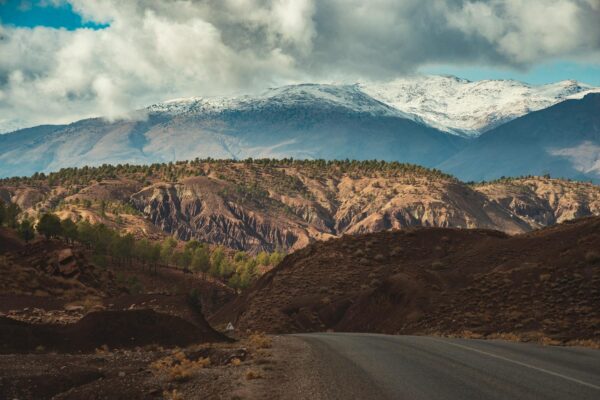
pixel 542 202
pixel 209 209
pixel 199 209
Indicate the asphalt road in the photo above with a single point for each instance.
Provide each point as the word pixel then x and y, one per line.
pixel 369 366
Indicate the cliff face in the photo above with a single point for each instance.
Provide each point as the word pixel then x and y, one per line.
pixel 263 207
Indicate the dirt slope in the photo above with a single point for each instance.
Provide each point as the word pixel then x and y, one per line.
pixel 432 281
pixel 115 329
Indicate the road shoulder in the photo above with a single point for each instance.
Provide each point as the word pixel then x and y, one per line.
pixel 309 369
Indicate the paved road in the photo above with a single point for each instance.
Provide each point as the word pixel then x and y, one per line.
pixel 368 366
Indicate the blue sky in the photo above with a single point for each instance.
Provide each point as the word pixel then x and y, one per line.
pixel 539 74
pixel 32 13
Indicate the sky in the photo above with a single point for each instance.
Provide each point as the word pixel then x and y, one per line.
pixel 63 60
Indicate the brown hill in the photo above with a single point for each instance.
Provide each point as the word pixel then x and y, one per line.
pixel 435 281
pixel 116 329
pixel 9 241
pixel 268 204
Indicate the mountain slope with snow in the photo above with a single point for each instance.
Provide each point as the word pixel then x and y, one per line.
pixel 429 121
pixel 329 97
pixel 562 140
pixel 300 121
pixel 469 108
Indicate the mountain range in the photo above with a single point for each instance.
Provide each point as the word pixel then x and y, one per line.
pixel 475 130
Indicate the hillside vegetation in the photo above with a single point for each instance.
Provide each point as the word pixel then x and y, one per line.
pixel 269 205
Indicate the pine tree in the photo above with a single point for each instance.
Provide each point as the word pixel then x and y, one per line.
pixel 69 230
pixel 49 226
pixel 25 230
pixel 11 213
pixel 2 212
pixel 166 250
pixel 200 260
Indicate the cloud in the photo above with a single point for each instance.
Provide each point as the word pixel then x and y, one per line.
pixel 585 157
pixel 153 50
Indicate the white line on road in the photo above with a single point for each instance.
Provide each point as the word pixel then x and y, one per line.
pixel 520 363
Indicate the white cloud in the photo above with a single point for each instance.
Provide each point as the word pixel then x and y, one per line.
pixel 526 31
pixel 154 49
pixel 585 157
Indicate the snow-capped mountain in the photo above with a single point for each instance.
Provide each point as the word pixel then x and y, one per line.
pixel 450 104
pixel 562 140
pixel 300 121
pixel 469 108
pixel 447 103
pixel 426 121
pixel 348 97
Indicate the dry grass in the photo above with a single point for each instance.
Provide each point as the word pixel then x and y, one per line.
pixel 260 341
pixel 178 367
pixel 173 395
pixel 546 341
pixel 253 374
pixel 508 336
pixel 236 362
pixel 470 335
pixel 102 350
pixel 592 344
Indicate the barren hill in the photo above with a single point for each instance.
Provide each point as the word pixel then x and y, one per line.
pixel 539 285
pixel 268 204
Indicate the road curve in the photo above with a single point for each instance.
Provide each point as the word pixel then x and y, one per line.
pixel 370 366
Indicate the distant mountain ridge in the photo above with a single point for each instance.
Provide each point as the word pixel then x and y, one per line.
pixel 416 120
pixel 447 103
pixel 562 140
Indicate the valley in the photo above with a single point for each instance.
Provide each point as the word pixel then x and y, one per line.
pixel 299 200
pixel 540 286
pixel 152 339
pixel 184 275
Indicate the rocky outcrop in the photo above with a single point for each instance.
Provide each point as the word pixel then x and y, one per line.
pixel 199 209
pixel 542 202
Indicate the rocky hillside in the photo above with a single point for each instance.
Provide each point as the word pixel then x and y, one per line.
pixel 268 204
pixel 541 285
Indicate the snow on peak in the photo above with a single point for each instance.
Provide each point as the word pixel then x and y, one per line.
pixel 470 108
pixel 348 97
pixel 445 102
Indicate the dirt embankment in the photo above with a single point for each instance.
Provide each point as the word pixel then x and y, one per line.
pixel 115 329
pixel 544 284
